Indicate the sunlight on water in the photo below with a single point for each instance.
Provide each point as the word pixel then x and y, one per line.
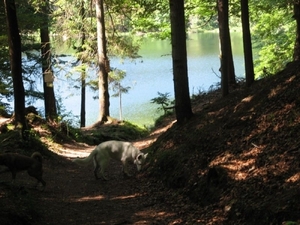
pixel 151 74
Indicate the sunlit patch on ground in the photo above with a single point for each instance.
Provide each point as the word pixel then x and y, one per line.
pixel 294 178
pixel 89 198
pixel 126 197
pixel 239 166
pixel 152 215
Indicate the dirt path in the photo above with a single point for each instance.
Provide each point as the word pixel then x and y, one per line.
pixel 74 196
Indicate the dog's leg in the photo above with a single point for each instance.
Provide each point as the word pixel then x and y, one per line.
pixel 37 175
pixel 103 165
pixel 125 169
pixel 96 165
pixel 40 179
pixel 37 183
pixel 96 171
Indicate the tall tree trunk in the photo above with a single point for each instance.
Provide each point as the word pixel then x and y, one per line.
pixel 183 107
pixel 297 41
pixel 83 95
pixel 231 70
pixel 83 73
pixel 49 97
pixel 102 61
pixel 120 100
pixel 14 40
pixel 223 25
pixel 247 43
pixel 230 63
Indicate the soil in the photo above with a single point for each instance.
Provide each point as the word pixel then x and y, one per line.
pixel 235 162
pixel 73 195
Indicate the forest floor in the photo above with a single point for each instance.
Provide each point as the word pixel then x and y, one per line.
pixel 73 195
pixel 237 161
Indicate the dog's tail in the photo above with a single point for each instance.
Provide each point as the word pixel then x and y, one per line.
pixel 37 156
pixel 86 161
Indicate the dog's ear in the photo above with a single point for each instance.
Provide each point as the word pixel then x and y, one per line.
pixel 139 157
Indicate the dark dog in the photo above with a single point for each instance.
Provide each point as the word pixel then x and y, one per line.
pixel 15 163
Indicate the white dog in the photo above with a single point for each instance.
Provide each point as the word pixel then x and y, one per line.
pixel 118 150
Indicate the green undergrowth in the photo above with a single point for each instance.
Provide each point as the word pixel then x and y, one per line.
pixel 40 130
pixel 123 131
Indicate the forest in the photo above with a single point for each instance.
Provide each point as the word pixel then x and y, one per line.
pixel 229 156
pixel 269 30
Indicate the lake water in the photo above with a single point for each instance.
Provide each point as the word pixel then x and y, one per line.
pixel 153 73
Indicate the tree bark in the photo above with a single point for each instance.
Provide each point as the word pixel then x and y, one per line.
pixel 247 43
pixel 231 70
pixel 102 61
pixel 83 73
pixel 14 40
pixel 297 41
pixel 83 95
pixel 183 107
pixel 49 96
pixel 222 6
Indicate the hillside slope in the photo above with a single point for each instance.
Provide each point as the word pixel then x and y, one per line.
pixel 238 160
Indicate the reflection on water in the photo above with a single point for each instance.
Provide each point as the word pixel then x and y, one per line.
pixel 153 73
